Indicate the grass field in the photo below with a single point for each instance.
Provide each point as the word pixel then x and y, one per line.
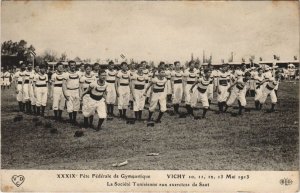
pixel 255 141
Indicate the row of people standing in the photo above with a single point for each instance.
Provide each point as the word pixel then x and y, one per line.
pixel 96 88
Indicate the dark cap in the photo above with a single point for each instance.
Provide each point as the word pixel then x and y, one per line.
pixel 247 74
pixel 124 63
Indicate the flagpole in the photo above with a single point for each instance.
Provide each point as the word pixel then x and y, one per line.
pixel 33 55
pixel 33 61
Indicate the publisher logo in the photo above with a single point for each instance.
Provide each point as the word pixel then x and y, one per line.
pixel 18 179
pixel 286 181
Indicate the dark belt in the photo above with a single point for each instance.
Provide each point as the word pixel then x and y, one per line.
pixel 26 82
pixel 57 85
pixel 268 87
pixel 19 82
pixel 190 82
pixel 156 90
pixel 210 82
pixel 168 78
pixel 146 81
pixel 177 81
pixel 139 87
pixel 41 85
pixel 124 84
pixel 239 87
pixel 95 97
pixel 110 81
pixel 223 82
pixel 72 88
pixel 201 90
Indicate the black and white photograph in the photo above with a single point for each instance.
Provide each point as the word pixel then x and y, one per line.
pixel 150 85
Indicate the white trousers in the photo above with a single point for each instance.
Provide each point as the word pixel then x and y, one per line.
pixel 201 97
pixel 58 99
pixel 223 95
pixel 111 93
pixel 161 98
pixel 123 99
pixel 237 94
pixel 20 93
pixel 210 91
pixel 25 92
pixel 31 95
pixel 139 102
pixel 90 106
pixel 73 104
pixel 190 98
pixel 6 82
pixel 178 92
pixel 41 96
pixel 264 95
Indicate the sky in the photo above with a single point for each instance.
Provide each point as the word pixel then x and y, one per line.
pixel 154 30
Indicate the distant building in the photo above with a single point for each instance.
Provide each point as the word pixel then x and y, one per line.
pixel 65 63
pixel 8 61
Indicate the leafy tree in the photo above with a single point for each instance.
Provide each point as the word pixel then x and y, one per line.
pixel 63 57
pixel 50 56
pixel 39 60
pixel 77 59
pixel 87 60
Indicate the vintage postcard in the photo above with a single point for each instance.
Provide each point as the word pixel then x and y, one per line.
pixel 149 96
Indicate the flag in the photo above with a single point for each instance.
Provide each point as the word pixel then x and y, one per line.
pixel 131 60
pixel 122 56
pixel 231 57
pixel 32 52
pixel 151 63
pixel 295 58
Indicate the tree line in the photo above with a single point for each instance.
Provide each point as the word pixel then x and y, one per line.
pixel 22 51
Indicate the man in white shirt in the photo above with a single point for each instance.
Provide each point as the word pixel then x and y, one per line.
pixel 159 96
pixel 6 80
pixel 18 78
pixel 177 86
pixel 138 82
pixel 40 90
pixel 123 90
pixel 71 91
pixel 223 84
pixel 81 70
pixel 190 77
pixel 57 92
pixel 111 76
